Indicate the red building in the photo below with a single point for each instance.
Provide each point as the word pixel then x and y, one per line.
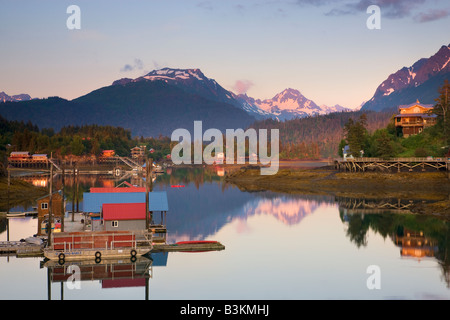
pixel 124 216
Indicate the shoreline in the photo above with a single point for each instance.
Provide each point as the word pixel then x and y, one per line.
pixel 19 192
pixel 426 186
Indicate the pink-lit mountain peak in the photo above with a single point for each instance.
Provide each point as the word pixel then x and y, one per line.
pixel 288 93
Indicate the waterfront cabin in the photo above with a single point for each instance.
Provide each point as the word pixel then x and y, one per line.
pixel 19 155
pixel 39 157
pixel 43 205
pixel 413 118
pixel 57 205
pixel 138 152
pixel 19 158
pixel 123 216
pixel 94 203
pixel 25 159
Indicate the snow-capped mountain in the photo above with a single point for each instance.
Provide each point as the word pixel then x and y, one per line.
pixel 335 108
pixel 290 104
pixel 419 81
pixel 15 98
pixel 190 80
pixel 285 105
pixel 249 104
pixel 194 81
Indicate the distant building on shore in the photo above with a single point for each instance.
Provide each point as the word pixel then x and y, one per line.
pixel 413 118
pixel 138 152
pixel 108 153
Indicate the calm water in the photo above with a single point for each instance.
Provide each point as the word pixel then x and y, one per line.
pixel 278 246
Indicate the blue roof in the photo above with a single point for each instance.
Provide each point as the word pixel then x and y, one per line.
pixel 92 202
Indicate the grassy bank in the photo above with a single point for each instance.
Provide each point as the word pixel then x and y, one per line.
pixel 430 186
pixel 19 192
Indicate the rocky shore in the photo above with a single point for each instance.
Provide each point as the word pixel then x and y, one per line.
pixel 431 187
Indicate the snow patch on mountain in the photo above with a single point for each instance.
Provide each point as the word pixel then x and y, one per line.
pixel 15 98
pixel 411 77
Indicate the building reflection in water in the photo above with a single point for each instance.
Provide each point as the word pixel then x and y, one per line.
pixel 415 244
pixel 418 237
pixel 114 273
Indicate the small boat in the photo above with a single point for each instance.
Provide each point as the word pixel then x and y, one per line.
pixel 15 214
pixel 190 246
pixel 21 214
pixel 34 240
pixel 196 242
pixel 177 186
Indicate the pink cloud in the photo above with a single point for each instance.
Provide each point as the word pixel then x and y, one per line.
pixel 432 15
pixel 242 86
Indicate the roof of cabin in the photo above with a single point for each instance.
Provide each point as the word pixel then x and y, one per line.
pixel 93 202
pixel 123 211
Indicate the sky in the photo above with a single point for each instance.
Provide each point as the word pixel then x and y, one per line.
pixel 322 48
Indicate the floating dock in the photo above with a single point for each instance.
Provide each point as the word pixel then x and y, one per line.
pixel 98 245
pixel 21 249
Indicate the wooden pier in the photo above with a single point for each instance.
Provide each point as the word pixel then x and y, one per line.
pixel 21 249
pixel 365 206
pixel 392 164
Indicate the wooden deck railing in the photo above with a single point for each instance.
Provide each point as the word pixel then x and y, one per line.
pixel 411 159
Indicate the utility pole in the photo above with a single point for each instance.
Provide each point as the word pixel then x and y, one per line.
pixel 78 210
pixel 148 188
pixel 73 195
pixel 63 212
pixel 7 209
pixel 50 213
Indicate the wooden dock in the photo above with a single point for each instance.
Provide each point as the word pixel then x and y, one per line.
pixel 392 164
pixel 21 249
pixel 365 206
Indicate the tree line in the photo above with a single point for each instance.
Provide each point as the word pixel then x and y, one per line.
pixel 318 136
pixel 74 140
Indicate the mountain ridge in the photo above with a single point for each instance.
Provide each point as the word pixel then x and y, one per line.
pixel 419 81
pixel 286 105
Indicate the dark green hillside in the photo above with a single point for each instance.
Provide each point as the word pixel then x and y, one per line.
pixel 144 108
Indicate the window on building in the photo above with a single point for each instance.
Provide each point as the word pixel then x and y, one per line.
pixel 44 205
pixel 115 223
